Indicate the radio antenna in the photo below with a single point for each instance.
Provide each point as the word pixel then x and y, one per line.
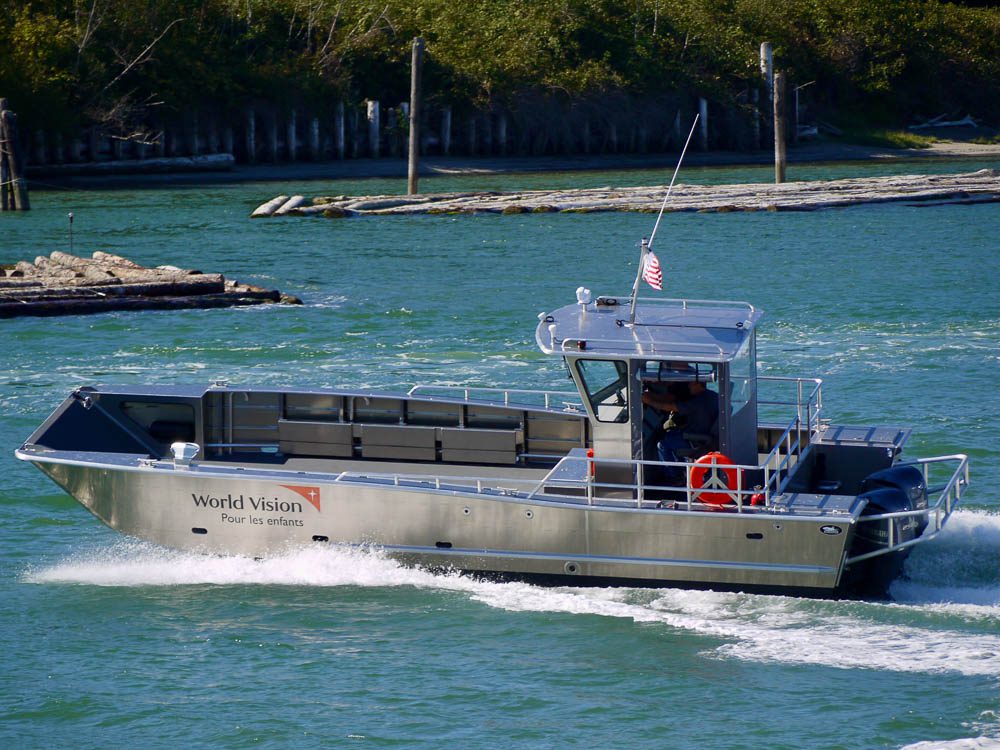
pixel 647 246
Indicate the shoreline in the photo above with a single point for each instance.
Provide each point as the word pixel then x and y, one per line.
pixel 362 169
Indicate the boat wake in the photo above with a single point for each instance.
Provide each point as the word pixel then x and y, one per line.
pixel 944 619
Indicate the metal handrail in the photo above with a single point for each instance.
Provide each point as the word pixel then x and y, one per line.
pixel 948 497
pixel 467 392
pixel 680 302
pixel 640 488
pixel 572 345
pixel 788 447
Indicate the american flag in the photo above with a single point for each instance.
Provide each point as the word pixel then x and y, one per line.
pixel 651 272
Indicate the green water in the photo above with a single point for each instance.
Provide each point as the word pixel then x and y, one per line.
pixel 109 642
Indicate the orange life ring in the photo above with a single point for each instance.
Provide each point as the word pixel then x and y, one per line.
pixel 714 480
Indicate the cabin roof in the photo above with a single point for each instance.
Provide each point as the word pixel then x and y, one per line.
pixel 664 329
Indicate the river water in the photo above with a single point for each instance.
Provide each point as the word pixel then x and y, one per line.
pixel 110 642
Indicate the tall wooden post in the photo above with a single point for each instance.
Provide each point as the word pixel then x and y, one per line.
pixel 314 142
pixel 291 139
pixel 355 133
pixel 502 133
pixel 338 131
pixel 251 136
pixel 703 123
pixel 779 128
pixel 767 73
pixel 272 137
pixel 374 129
pixel 416 66
pixel 6 198
pixel 12 183
pixel 767 68
pixel 446 130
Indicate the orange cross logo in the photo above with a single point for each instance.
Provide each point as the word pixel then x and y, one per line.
pixel 309 493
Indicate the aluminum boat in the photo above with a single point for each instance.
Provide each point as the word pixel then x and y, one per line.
pixel 556 487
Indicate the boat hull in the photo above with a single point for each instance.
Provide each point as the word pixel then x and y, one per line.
pixel 494 534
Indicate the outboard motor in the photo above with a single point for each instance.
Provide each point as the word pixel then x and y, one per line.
pixel 909 481
pixel 894 490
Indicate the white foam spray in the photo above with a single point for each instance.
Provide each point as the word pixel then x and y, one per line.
pixel 946 627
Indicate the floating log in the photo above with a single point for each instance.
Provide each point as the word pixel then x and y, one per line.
pixel 788 196
pixel 267 209
pixel 64 284
pixel 292 203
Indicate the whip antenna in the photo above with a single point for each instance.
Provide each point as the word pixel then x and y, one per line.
pixel 648 245
pixel 673 179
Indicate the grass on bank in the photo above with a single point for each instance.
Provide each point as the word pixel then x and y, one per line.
pixel 882 138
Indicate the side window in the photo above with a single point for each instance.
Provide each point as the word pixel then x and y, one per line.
pixel 741 371
pixel 606 384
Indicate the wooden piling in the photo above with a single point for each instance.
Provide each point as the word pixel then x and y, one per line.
pixel 767 73
pixel 10 153
pixel 779 128
pixel 6 199
pixel 703 123
pixel 272 137
pixel 314 143
pixel 413 163
pixel 291 138
pixel 338 129
pixel 767 68
pixel 355 133
pixel 251 136
pixel 446 130
pixel 374 128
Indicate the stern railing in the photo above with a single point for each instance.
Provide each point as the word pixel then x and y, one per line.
pixel 949 495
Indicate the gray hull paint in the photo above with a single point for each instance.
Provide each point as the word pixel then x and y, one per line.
pixel 196 509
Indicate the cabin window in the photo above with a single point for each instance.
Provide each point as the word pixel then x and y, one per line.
pixel 741 376
pixel 606 384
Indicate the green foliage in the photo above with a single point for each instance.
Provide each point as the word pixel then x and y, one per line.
pixel 888 138
pixel 123 62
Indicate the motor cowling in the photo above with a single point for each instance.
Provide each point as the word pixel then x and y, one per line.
pixel 895 490
pixel 907 479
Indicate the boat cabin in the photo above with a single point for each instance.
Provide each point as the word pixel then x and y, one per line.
pixel 668 345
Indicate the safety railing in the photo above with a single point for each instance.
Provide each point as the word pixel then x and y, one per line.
pixel 521 397
pixel 948 496
pixel 808 400
pixel 808 406
pixel 705 493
